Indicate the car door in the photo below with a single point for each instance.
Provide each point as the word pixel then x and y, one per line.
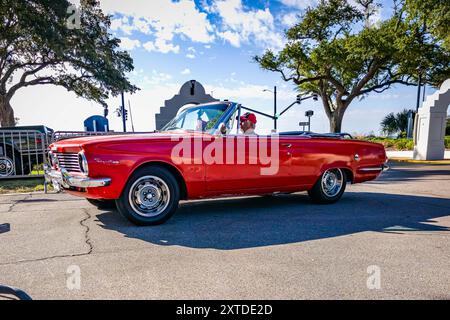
pixel 250 163
pixel 305 161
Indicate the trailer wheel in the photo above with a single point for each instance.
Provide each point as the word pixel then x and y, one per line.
pixel 6 166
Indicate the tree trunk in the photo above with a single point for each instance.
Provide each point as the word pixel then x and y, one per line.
pixel 335 113
pixel 336 121
pixel 6 113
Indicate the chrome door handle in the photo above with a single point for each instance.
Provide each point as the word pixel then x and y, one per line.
pixel 287 145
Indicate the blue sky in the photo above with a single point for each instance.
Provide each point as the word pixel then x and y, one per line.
pixel 213 42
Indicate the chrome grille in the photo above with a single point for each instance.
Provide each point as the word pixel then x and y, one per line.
pixel 69 161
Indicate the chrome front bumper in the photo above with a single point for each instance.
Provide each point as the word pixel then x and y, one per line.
pixel 66 180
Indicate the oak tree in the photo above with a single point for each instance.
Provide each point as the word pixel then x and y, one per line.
pixel 52 42
pixel 340 52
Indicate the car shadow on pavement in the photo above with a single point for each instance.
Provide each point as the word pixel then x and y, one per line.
pixel 237 223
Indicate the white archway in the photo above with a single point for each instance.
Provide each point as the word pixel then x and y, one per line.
pixel 430 128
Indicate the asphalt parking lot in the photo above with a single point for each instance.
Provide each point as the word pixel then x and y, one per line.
pixel 385 239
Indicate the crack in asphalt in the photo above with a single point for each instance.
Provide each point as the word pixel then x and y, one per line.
pixel 15 202
pixel 87 241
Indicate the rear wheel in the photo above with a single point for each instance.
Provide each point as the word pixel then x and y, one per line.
pixel 330 187
pixel 103 203
pixel 150 196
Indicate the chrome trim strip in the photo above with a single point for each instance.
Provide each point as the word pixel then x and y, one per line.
pixel 371 169
pixel 383 167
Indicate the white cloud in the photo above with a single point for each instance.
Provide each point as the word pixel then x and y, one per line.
pixel 232 37
pixel 290 19
pixel 241 25
pixel 122 24
pixel 129 44
pixel 185 71
pixel 190 56
pixel 299 4
pixel 161 46
pixel 162 19
pixel 155 77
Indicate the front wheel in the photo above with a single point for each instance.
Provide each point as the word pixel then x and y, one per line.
pixel 330 187
pixel 150 196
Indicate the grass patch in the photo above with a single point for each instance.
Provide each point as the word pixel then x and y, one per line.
pixel 22 185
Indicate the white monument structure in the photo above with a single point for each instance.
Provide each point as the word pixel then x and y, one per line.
pixel 430 128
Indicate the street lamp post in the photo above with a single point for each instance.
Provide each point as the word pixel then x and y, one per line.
pixel 274 105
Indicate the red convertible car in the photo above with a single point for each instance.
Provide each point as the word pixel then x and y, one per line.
pixel 201 154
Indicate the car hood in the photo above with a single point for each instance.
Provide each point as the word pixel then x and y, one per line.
pixel 123 138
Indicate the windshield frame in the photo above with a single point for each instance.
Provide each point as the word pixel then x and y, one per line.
pixel 231 106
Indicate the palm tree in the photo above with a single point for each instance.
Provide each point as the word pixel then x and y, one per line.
pixel 395 123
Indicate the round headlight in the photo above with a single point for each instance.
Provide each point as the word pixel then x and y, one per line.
pixel 52 159
pixel 83 163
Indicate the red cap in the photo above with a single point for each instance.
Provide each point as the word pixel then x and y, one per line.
pixel 248 116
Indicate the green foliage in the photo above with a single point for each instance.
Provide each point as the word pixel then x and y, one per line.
pixel 336 52
pixel 38 44
pixel 395 123
pixel 435 14
pixel 400 144
pixel 447 128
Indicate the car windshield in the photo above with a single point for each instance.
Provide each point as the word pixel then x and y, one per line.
pixel 199 118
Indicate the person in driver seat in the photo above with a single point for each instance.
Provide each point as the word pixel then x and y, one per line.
pixel 248 123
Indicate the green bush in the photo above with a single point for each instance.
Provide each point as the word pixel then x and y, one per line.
pixel 399 144
pixel 391 143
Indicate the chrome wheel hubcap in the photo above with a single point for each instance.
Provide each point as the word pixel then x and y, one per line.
pixel 149 196
pixel 6 167
pixel 332 181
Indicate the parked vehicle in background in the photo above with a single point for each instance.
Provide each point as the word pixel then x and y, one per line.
pixel 23 149
pixel 145 175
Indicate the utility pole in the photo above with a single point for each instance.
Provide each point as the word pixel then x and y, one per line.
pixel 131 116
pixel 275 107
pixel 124 120
pixel 419 86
